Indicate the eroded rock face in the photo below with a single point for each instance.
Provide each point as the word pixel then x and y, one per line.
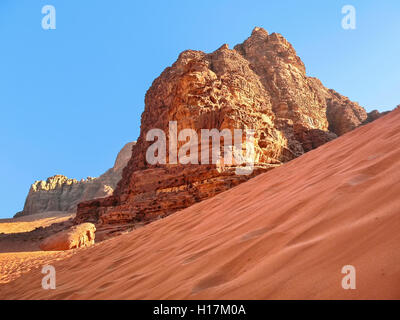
pixel 79 236
pixel 58 193
pixel 161 191
pixel 261 85
pixel 374 115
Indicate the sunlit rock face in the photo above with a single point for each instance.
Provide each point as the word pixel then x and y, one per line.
pixel 262 85
pixel 78 236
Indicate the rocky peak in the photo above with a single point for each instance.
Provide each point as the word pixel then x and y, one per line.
pixel 224 47
pixel 261 84
pixel 259 32
pixel 52 183
pixel 266 50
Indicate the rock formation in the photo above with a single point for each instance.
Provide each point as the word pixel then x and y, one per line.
pixel 374 115
pixel 261 84
pixel 58 193
pixel 79 236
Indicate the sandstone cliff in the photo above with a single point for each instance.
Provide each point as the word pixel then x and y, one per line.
pixel 261 84
pixel 58 193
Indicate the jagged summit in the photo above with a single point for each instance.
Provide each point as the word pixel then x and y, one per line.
pixel 258 31
pixel 56 181
pixel 225 46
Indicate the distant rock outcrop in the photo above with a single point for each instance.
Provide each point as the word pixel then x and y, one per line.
pixel 261 85
pixel 58 193
pixel 374 115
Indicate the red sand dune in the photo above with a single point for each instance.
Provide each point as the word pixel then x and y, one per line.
pixel 284 234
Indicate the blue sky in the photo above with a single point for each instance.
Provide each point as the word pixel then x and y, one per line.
pixel 70 98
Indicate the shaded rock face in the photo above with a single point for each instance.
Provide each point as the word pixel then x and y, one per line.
pixel 261 85
pixel 58 193
pixel 343 115
pixel 374 115
pixel 79 236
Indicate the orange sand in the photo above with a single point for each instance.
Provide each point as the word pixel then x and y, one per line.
pixel 31 222
pixel 13 265
pixel 19 255
pixel 284 234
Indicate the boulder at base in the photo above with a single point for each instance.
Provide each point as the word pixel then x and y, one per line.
pixel 76 237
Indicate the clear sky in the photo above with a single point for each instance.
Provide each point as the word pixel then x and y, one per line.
pixel 70 98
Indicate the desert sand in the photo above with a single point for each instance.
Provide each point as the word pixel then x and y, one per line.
pixel 285 234
pixel 31 222
pixel 19 253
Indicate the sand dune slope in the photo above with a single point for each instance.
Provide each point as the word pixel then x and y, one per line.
pixel 283 234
